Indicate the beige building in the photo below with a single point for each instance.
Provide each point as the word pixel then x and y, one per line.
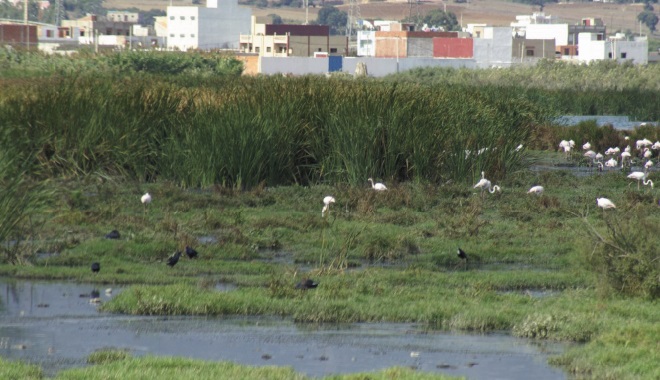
pixel 289 40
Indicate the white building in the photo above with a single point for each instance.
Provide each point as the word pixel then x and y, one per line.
pixel 218 26
pixel 494 47
pixel 366 43
pixel 548 31
pixel 616 47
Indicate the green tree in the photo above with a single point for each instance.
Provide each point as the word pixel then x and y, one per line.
pixel 275 19
pixel 332 17
pixel 439 18
pixel 649 19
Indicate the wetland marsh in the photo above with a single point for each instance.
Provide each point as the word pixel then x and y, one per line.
pixel 242 180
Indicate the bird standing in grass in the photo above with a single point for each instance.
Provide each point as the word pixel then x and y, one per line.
pixel 306 284
pixel 538 190
pixel 191 252
pixel 485 184
pixel 326 208
pixel 114 234
pixel 172 260
pixel 96 267
pixel 641 177
pixel 145 199
pixel 605 203
pixel 377 186
pixel 462 255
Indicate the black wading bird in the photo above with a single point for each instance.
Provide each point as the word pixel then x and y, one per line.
pixel 172 260
pixel 307 284
pixel 114 234
pixel 462 255
pixel 191 252
pixel 96 267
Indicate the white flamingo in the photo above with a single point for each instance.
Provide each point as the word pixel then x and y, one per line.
pixel 377 186
pixel 538 190
pixel 605 203
pixel 641 177
pixel 327 201
pixel 586 146
pixel 485 184
pixel 145 199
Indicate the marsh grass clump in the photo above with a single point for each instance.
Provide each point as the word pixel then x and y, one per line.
pixel 625 255
pixel 538 326
pixel 107 355
pixel 14 369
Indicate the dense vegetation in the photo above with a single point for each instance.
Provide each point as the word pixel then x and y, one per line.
pixel 246 162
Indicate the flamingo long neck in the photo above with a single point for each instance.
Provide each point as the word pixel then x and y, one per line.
pixel 372 183
pixel 647 182
pixel 492 189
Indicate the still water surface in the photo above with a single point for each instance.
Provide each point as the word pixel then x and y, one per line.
pixel 55 325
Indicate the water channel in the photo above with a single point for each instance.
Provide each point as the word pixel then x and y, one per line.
pixel 56 326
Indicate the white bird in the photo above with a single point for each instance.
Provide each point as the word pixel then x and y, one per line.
pixel 611 163
pixel 538 190
pixel 590 154
pixel 377 186
pixel 485 184
pixel 146 199
pixel 605 203
pixel 641 177
pixel 647 153
pixel 327 201
pixel 586 146
pixel 656 145
pixel 648 164
pixel 624 155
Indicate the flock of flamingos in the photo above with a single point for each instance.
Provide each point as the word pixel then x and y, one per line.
pixel 644 149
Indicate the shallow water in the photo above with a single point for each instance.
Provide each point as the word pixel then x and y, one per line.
pixel 618 122
pixel 65 332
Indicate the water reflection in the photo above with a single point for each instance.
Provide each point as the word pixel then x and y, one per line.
pixel 65 333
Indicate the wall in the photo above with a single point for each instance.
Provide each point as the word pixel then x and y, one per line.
pixel 19 35
pixel 376 67
pixel 293 65
pixel 453 47
pixel 522 47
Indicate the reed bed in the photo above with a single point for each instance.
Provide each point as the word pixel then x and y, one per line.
pixel 276 131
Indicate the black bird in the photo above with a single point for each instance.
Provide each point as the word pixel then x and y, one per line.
pixel 307 284
pixel 95 293
pixel 462 255
pixel 191 252
pixel 114 234
pixel 96 267
pixel 172 260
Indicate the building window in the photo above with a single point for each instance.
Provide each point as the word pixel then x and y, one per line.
pixel 609 55
pixel 192 35
pixel 267 49
pixel 333 50
pixel 566 51
pixel 182 17
pixel 192 18
pixel 82 33
pixel 624 55
pixel 319 49
pixel 172 35
pixel 171 17
pixel 530 52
